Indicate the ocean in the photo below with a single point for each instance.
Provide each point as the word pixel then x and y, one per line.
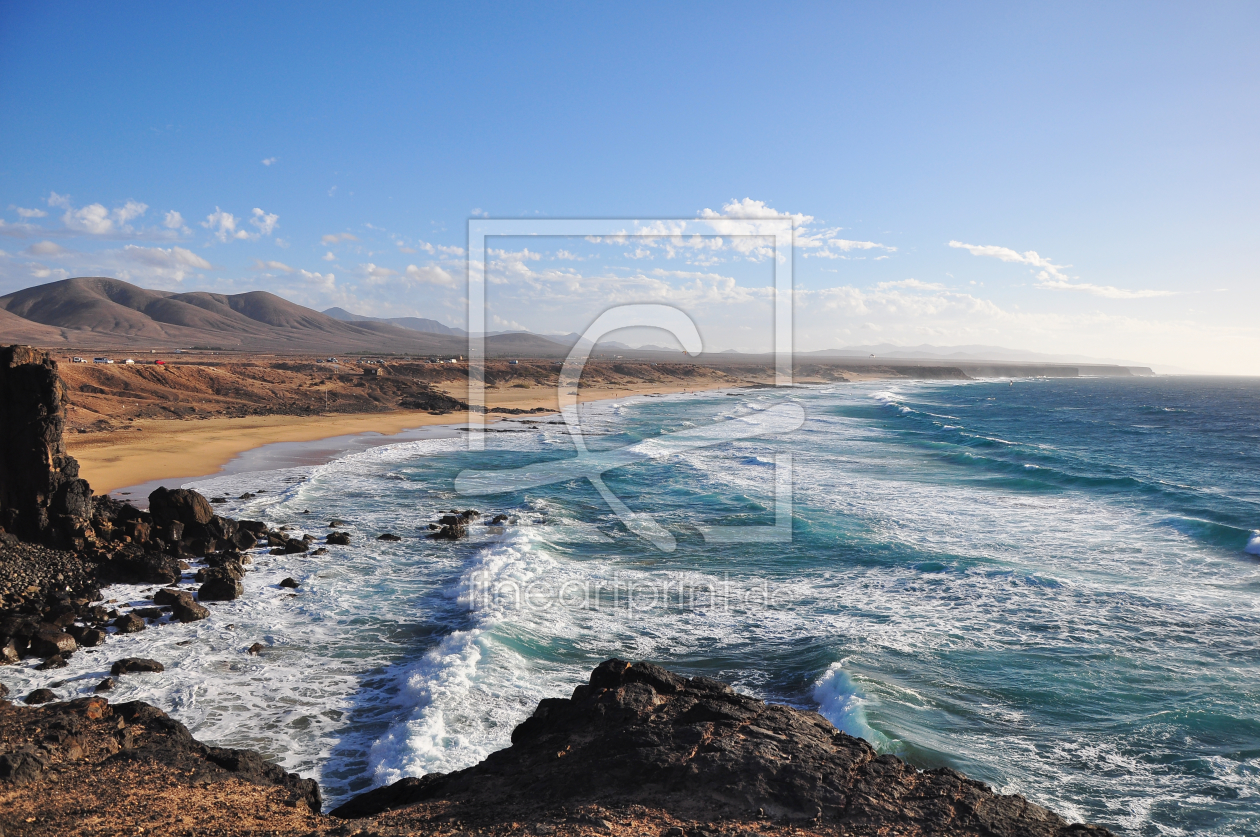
pixel 1052 586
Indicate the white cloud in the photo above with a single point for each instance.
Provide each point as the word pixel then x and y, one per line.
pixel 1006 254
pixel 265 222
pixel 170 264
pixel 1045 280
pixel 173 221
pixel 430 275
pixel 222 225
pixel 268 161
pixel 259 264
pixel 128 211
pixel 334 238
pixel 58 200
pixel 325 282
pixel 45 248
pixel 28 213
pixel 1051 275
pixel 434 249
pixel 329 257
pixel 375 274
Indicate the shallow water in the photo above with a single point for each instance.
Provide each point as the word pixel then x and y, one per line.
pixel 1050 586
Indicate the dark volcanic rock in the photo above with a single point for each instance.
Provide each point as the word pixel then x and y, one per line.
pixel 92 729
pixel 129 624
pixel 41 696
pixel 127 665
pixel 181 504
pixel 388 536
pixel 220 586
pixel 291 583
pixel 640 735
pixel 185 609
pixel 338 539
pixel 41 496
pixel 48 641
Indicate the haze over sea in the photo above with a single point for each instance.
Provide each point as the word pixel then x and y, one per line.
pixel 1050 586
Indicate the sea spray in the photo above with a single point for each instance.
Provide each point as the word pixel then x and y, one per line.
pixel 841 702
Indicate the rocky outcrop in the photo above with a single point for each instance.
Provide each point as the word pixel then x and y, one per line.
pixel 115 766
pixel 638 735
pixel 42 498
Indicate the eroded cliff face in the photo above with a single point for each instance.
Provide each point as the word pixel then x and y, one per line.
pixel 42 498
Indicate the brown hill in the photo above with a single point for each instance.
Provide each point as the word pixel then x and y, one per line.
pixel 96 311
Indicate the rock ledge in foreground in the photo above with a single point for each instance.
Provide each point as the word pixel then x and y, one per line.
pixel 637 734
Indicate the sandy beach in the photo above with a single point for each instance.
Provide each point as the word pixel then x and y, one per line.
pixel 156 449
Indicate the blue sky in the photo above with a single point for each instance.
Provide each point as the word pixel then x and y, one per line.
pixel 1093 165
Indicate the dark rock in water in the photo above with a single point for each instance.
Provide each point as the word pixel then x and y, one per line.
pixel 338 539
pixel 185 609
pixel 105 685
pixel 55 661
pixel 636 734
pixel 41 696
pixel 48 641
pixel 320 551
pixel 293 546
pixel 220 586
pixel 180 504
pixel 336 523
pixel 134 565
pixel 499 518
pixel 291 583
pixel 86 636
pixel 388 536
pixel 9 653
pixel 257 648
pixel 129 624
pixel 255 527
pixel 129 665
pixel 42 498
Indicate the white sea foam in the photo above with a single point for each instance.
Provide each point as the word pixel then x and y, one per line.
pixel 840 702
pixel 1253 544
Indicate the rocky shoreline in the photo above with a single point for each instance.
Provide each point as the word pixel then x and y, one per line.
pixel 636 750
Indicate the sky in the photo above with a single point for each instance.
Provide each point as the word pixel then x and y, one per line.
pixel 1068 178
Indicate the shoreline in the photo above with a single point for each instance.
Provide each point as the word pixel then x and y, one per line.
pixel 128 464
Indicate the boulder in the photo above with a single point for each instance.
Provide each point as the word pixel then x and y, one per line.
pixel 388 536
pixel 129 624
pixel 185 609
pixel 130 665
pixel 41 696
pixel 220 586
pixel 295 545
pixel 180 504
pixel 49 641
pixel 291 583
pixel 338 539
pixel 105 685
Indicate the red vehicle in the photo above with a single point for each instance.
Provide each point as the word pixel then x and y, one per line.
pixel 159 363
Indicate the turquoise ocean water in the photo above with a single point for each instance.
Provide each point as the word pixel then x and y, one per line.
pixel 1052 586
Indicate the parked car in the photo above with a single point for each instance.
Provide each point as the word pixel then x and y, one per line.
pixel 129 362
pixel 77 360
pixel 159 363
pixel 102 360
